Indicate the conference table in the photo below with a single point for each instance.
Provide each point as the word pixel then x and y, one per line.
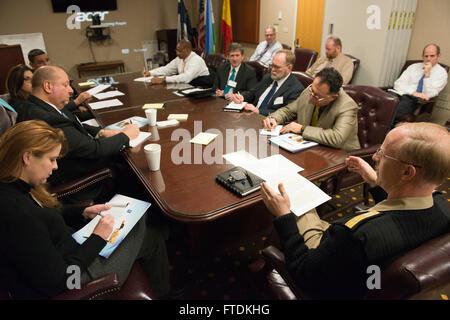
pixel 185 188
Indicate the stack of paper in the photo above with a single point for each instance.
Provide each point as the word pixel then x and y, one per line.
pixel 143 79
pixel 140 121
pixel 153 106
pixel 274 132
pixel 105 104
pixel 167 123
pixel 108 94
pixel 303 194
pixel 140 138
pixel 203 138
pixel 98 89
pixel 234 107
pixel 179 117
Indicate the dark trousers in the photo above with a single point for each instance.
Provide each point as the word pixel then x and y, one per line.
pixel 407 105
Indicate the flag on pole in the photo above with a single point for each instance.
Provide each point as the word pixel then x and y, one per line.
pixel 184 29
pixel 201 25
pixel 226 25
pixel 210 30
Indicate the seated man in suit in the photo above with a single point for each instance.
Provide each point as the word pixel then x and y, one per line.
pixel 276 89
pixel 330 261
pixel 90 148
pixel 333 58
pixel 187 67
pixel 234 76
pixel 420 81
pixel 39 58
pixel 266 50
pixel 323 113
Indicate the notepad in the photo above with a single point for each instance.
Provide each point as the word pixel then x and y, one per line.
pixel 203 138
pixel 179 116
pixel 235 107
pixel 140 138
pixel 153 106
pixel 275 132
pixel 167 123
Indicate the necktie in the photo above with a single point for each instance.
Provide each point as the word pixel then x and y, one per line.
pixel 184 65
pixel 227 88
pixel 7 106
pixel 315 116
pixel 268 97
pixel 263 52
pixel 65 115
pixel 420 85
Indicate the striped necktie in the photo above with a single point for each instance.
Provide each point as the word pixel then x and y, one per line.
pixel 268 97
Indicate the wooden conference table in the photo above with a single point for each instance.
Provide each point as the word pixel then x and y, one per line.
pixel 184 187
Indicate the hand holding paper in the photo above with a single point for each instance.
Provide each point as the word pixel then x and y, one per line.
pixel 278 204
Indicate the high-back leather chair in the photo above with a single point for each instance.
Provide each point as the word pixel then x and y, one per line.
pixel 304 59
pixel 108 287
pixel 286 47
pixel 201 52
pixel 261 69
pixel 303 78
pixel 414 275
pixel 214 60
pixel 375 112
pixel 356 63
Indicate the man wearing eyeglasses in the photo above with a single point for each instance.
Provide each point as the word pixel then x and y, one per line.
pixel 275 90
pixel 266 50
pixel 412 162
pixel 323 113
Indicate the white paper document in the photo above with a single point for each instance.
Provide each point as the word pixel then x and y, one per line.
pixel 108 94
pixel 143 79
pixel 140 138
pixel 92 122
pixel 98 89
pixel 167 123
pixel 235 106
pixel 274 132
pixel 105 104
pixel 125 217
pixel 303 194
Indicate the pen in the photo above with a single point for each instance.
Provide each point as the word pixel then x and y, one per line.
pixel 114 204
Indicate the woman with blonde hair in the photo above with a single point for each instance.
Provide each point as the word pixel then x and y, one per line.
pixel 36 241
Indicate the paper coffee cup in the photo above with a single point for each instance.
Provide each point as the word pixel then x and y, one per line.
pixel 151 117
pixel 153 154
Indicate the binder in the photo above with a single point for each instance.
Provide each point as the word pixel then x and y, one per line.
pixel 239 181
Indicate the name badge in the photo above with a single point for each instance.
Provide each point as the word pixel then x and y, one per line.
pixel 278 100
pixel 232 83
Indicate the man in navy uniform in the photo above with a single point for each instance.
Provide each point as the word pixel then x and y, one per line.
pixel 330 260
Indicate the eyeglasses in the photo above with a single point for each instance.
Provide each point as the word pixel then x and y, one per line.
pixel 380 153
pixel 315 96
pixel 27 79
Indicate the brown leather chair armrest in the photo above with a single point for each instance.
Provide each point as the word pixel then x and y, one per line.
pixel 280 281
pixel 69 188
pixel 103 288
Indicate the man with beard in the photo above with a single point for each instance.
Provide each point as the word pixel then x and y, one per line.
pixel 276 89
pixel 323 113
pixel 333 58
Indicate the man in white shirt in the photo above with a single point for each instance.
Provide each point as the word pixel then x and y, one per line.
pixel 266 50
pixel 187 67
pixel 420 81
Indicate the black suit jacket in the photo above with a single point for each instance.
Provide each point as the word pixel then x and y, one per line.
pixel 245 78
pixel 290 91
pixel 86 153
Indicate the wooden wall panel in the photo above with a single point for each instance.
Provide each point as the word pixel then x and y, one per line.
pixel 245 20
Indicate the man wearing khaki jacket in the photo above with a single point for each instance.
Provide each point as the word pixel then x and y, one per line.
pixel 324 113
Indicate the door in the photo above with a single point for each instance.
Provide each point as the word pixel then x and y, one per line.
pixel 309 24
